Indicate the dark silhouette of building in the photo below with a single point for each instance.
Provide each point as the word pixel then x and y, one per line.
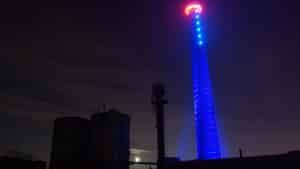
pixel 69 143
pixel 283 161
pixel 99 143
pixel 109 140
pixel 18 163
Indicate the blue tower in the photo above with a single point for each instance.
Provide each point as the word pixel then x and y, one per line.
pixel 206 129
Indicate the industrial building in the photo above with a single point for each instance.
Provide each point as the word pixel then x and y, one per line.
pixel 101 142
pixel 109 140
pixel 69 143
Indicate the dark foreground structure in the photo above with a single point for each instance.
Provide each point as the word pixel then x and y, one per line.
pixel 158 101
pixel 109 141
pixel 99 143
pixel 69 143
pixel 17 163
pixel 290 160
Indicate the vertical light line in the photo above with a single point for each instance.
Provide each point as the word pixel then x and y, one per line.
pixel 205 122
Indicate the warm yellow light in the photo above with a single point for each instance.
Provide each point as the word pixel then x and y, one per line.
pixel 137 159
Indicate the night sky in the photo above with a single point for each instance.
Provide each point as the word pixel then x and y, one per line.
pixel 67 58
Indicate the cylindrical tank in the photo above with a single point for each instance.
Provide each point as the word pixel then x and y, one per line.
pixel 69 143
pixel 109 144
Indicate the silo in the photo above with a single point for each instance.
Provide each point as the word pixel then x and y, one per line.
pixel 69 143
pixel 109 141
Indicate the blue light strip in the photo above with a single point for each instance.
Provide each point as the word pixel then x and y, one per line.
pixel 206 128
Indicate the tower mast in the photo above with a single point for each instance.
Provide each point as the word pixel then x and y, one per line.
pixel 204 111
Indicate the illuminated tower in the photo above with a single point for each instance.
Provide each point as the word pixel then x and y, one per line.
pixel 205 122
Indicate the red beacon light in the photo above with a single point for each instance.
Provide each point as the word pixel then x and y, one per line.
pixel 195 7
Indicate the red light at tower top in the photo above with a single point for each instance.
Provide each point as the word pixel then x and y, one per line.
pixel 194 7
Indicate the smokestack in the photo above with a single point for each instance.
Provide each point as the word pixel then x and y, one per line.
pixel 158 101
